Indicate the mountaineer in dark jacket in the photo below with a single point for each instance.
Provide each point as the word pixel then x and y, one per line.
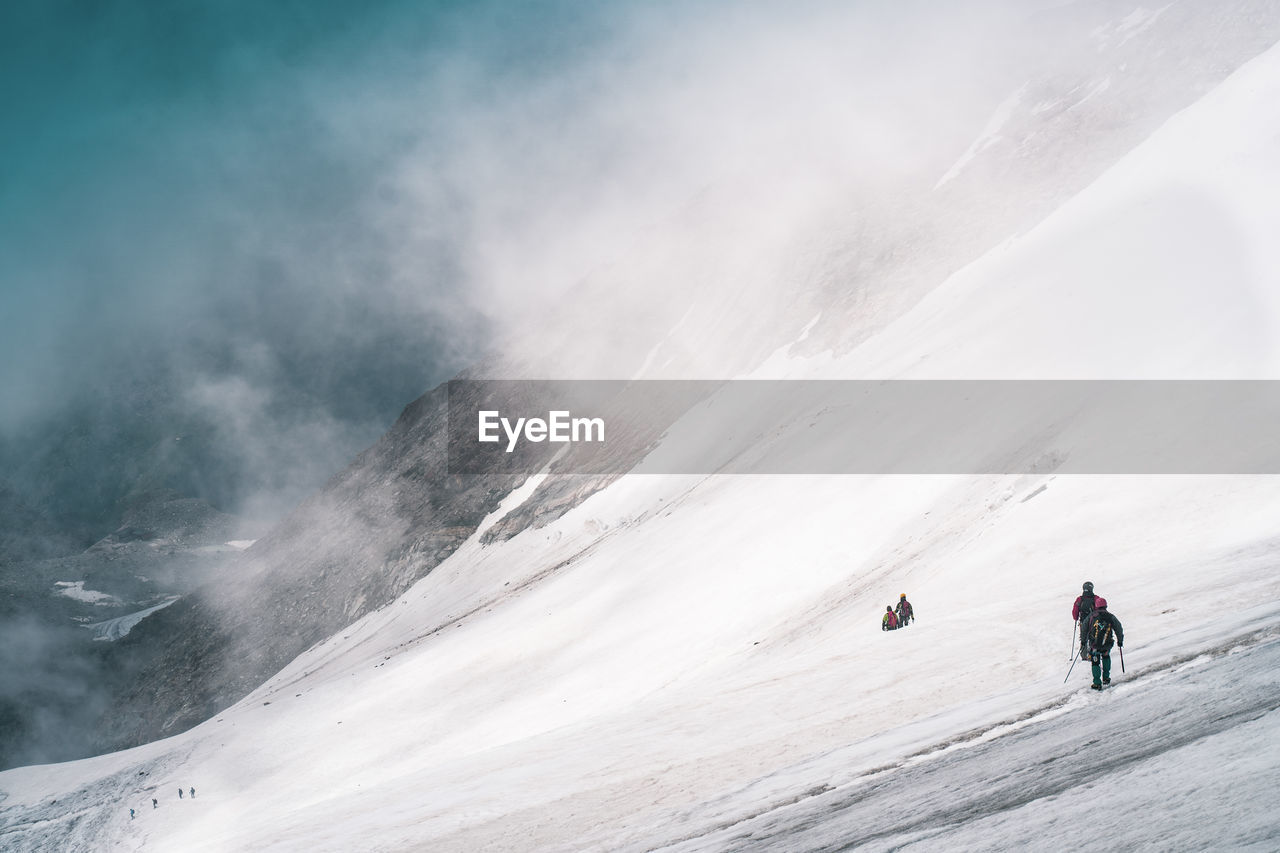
pixel 1102 630
pixel 904 611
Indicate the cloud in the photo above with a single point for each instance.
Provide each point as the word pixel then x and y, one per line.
pixel 339 207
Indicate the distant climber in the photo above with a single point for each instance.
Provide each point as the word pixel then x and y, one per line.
pixel 1084 604
pixel 888 622
pixel 904 612
pixel 193 793
pixel 131 814
pixel 154 803
pixel 180 792
pixel 1102 629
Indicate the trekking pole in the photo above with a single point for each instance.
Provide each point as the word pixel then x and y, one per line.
pixel 1073 641
pixel 1121 658
pixel 1073 666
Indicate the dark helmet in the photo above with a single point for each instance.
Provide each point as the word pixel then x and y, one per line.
pixel 890 609
pixel 1088 586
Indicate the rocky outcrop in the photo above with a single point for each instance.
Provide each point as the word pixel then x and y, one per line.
pixel 375 528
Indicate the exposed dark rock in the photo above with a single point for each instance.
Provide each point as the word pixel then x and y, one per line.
pixel 375 528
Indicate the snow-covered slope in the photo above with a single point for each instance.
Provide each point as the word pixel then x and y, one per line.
pixel 1165 267
pixel 696 661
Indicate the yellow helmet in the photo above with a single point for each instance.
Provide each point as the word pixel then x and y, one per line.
pixel 903 595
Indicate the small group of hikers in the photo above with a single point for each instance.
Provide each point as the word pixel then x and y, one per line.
pixel 900 618
pixel 1099 631
pixel 155 803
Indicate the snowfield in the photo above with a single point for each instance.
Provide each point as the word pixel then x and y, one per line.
pixel 113 629
pixel 695 663
pixel 76 590
pixel 654 683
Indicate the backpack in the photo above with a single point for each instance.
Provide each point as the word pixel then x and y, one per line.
pixel 1086 606
pixel 1100 632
